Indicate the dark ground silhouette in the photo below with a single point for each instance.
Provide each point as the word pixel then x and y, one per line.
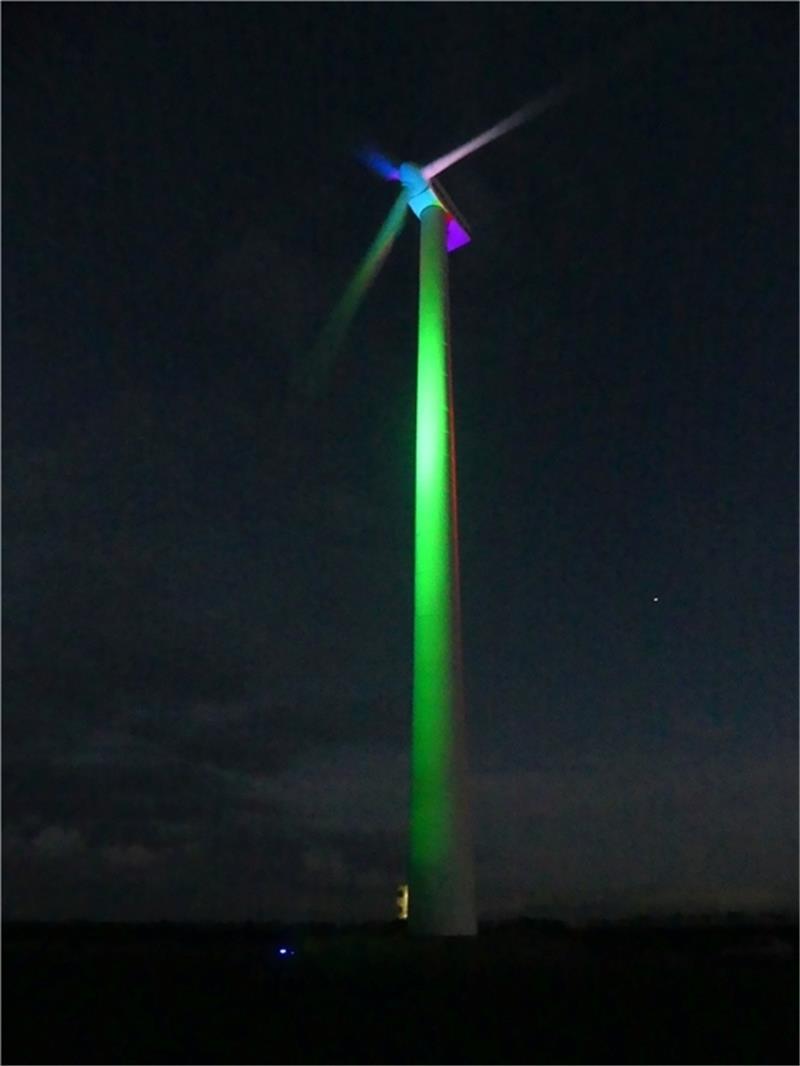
pixel 525 992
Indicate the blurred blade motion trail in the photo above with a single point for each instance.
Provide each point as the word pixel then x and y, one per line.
pixel 311 372
pixel 636 48
pixel 379 164
pixel 524 114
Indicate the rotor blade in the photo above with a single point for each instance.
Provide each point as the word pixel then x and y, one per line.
pixel 635 49
pixel 378 163
pixel 309 377
pixel 524 114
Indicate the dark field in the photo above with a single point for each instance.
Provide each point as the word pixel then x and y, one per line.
pixel 517 994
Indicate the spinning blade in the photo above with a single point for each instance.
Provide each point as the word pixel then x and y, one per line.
pixel 379 164
pixel 524 114
pixel 310 377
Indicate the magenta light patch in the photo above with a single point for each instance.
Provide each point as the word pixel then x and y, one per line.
pixel 457 236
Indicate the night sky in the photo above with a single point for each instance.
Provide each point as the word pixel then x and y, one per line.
pixel 208 577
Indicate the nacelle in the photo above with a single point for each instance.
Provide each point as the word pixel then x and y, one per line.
pixel 423 193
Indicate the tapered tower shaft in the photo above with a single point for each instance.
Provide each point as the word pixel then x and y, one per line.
pixel 441 880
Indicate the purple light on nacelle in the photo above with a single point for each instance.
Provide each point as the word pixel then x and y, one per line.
pixel 456 232
pixel 457 236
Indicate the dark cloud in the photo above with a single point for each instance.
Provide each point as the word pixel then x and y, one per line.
pixel 120 609
pixel 124 820
pixel 326 835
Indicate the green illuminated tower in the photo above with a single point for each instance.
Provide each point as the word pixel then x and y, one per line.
pixel 441 877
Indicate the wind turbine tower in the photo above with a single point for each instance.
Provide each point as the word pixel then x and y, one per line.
pixel 441 876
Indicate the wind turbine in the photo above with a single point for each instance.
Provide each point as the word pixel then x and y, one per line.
pixel 441 877
pixel 441 874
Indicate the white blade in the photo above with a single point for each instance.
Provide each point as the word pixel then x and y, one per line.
pixel 524 114
pixel 632 50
